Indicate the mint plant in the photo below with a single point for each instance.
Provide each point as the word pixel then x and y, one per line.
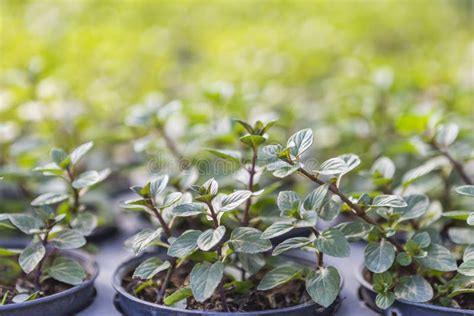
pixel 42 260
pixel 66 166
pixel 420 269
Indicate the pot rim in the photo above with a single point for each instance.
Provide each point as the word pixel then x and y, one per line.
pixel 50 298
pixel 360 278
pixel 124 266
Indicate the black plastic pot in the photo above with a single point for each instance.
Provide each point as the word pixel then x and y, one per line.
pixel 14 241
pixel 128 304
pixel 102 233
pixel 297 232
pixel 402 307
pixel 65 303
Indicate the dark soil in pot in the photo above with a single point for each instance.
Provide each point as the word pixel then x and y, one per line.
pixel 290 299
pixel 59 299
pixel 405 308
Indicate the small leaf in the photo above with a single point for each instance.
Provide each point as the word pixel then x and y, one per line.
pixel 58 155
pixel 248 240
pixel 278 276
pixel 178 295
pixel 68 239
pixel 468 253
pixel 459 215
pixel 67 270
pixel 150 267
pixel 84 223
pixel 323 285
pixel 253 140
pixel 188 209
pixel 211 186
pixel 80 151
pixel 461 235
pixel 300 142
pixel 139 242
pixel 422 239
pixel 49 199
pixel 86 179
pixel 287 202
pixel 414 289
pixel 379 256
pixel 184 244
pixel 277 229
pixel 354 231
pixel 467 268
pixel 332 242
pixel 230 155
pixel 158 185
pixel 388 201
pixel 170 199
pixel 417 205
pixel 446 134
pixel 466 190
pixel 210 238
pixel 383 167
pixel 31 256
pixel 25 223
pixel 384 300
pixel 233 200
pixel 439 258
pixel 251 263
pixel 292 243
pixel 205 278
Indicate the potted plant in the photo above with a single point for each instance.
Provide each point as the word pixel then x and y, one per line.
pixel 47 277
pixel 222 269
pixel 397 273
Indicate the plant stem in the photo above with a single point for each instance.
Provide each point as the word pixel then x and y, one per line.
pixel 173 148
pixel 357 210
pixel 166 281
pixel 456 164
pixel 246 219
pixel 75 193
pixel 219 254
pixel 160 218
pixel 320 255
pixel 44 241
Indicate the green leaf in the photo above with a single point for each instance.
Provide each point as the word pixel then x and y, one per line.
pixel 80 151
pixel 139 242
pixel 386 200
pixel 461 235
pixel 251 263
pixel 230 155
pixel 58 155
pixel 324 202
pixel 384 300
pixel 288 202
pixel 169 200
pixel 67 270
pixel 25 223
pixel 24 297
pixel 414 289
pixel 157 186
pixel 422 239
pixel 253 140
pixel 383 167
pixel 278 276
pixel 205 278
pixel 292 243
pixel 333 166
pixel 49 169
pixel 31 256
pixel 404 259
pixel 248 240
pixel 210 238
pixel 277 229
pixel 300 142
pixel 245 125
pixel 438 258
pixel 178 295
pixel 459 215
pixel 184 244
pixel 68 239
pixel 421 171
pixel 8 252
pixel 84 223
pixel 467 268
pixel 323 285
pixel 211 186
pixel 188 209
pixel 333 243
pixel 86 179
pixel 379 256
pixel 417 205
pixel 150 267
pixel 49 199
pixel 233 200
pixel 316 198
pixel 466 190
pixel 446 134
pixel 354 231
pixel 468 253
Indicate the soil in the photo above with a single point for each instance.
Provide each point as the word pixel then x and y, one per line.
pixel 290 294
pixel 465 301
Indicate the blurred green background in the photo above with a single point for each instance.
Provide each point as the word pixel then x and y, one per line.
pixel 365 75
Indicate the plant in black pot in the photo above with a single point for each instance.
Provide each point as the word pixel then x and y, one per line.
pixel 47 277
pixel 223 269
pixel 419 275
pixel 92 217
